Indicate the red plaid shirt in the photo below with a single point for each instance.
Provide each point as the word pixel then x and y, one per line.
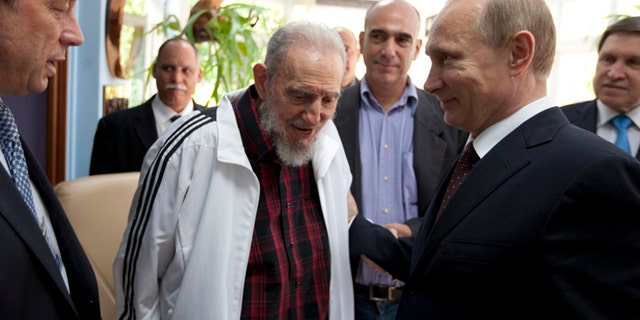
pixel 289 264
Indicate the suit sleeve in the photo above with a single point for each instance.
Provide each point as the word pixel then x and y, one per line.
pixel 381 246
pixel 591 243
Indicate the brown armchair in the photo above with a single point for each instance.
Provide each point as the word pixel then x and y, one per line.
pixel 98 208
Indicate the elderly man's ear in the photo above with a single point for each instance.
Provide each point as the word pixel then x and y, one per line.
pixel 260 78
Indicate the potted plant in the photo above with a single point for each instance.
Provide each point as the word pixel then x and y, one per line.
pixel 229 38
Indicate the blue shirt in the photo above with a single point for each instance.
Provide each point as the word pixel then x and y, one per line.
pixel 389 187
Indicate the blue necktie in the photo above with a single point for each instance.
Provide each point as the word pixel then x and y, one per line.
pixel 622 123
pixel 13 153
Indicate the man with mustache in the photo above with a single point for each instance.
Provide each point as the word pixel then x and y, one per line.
pixel 242 209
pixel 617 87
pixel 123 137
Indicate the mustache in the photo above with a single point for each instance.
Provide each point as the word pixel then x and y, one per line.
pixel 177 86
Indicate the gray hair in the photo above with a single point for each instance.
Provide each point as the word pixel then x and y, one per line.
pixel 304 34
pixel 501 19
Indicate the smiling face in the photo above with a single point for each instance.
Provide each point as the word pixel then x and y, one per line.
pixel 33 35
pixel 177 72
pixel 390 43
pixel 617 79
pixel 298 101
pixel 469 77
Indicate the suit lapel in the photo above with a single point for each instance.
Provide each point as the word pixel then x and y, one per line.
pixel 505 160
pixel 586 118
pixel 485 177
pixel 348 123
pixel 428 150
pixel 18 215
pixel 145 126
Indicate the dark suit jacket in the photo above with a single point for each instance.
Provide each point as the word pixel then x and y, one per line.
pixel 584 115
pixel 436 145
pixel 123 138
pixel 32 287
pixel 546 226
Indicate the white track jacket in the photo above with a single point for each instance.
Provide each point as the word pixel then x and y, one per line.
pixel 184 252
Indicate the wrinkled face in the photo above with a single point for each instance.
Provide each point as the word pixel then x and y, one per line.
pixel 33 35
pixel 617 79
pixel 177 72
pixel 468 77
pixel 390 43
pixel 299 101
pixel 353 55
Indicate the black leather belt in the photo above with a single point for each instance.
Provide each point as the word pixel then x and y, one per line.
pixel 378 293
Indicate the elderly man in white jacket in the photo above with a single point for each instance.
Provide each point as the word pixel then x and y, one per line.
pixel 193 249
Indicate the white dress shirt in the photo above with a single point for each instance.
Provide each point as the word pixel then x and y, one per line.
pixel 163 113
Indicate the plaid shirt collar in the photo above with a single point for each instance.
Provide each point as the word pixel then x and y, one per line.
pixel 257 144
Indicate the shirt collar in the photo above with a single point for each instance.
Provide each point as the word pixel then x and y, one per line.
pixel 163 113
pixel 408 99
pixel 491 136
pixel 605 114
pixel 256 143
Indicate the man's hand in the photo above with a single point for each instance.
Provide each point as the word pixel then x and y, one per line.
pixel 352 207
pixel 398 229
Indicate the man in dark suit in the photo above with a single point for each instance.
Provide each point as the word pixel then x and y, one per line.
pixel 123 137
pixel 396 142
pixel 43 270
pixel 617 87
pixel 539 218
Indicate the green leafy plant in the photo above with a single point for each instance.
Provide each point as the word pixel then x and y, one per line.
pixel 237 39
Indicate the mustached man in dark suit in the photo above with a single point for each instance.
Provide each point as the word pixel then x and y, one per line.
pixel 617 87
pixel 123 137
pixel 44 273
pixel 539 219
pixel 396 141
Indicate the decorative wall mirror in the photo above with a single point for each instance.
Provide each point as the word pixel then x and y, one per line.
pixel 124 38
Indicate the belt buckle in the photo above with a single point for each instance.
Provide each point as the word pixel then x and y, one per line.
pixel 374 293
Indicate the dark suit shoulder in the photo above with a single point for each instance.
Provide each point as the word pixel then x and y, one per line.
pixel 578 107
pixel 140 111
pixel 349 98
pixel 425 98
pixel 583 114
